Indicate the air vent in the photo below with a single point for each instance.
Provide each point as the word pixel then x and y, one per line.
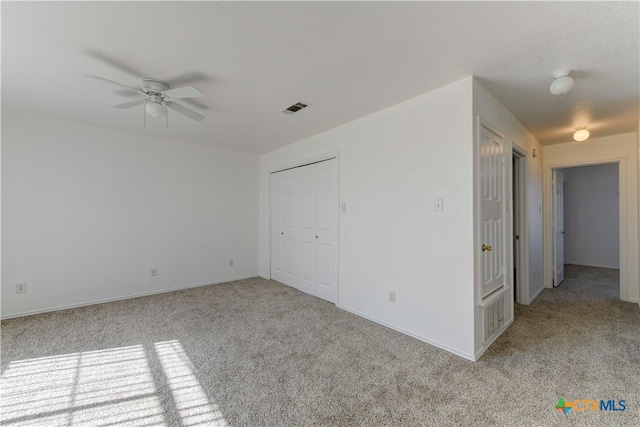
pixel 493 317
pixel 295 108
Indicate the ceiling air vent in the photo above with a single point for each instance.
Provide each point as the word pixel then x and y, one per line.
pixel 295 108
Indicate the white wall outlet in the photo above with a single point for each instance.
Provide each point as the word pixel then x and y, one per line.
pixel 343 207
pixel 154 272
pixel 21 287
pixel 392 296
pixel 231 262
pixel 438 204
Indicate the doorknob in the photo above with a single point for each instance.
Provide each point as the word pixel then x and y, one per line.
pixel 517 237
pixel 564 232
pixel 316 237
pixel 486 248
pixel 282 232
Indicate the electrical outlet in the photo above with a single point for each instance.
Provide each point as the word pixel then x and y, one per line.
pixel 21 287
pixel 231 262
pixel 154 272
pixel 392 296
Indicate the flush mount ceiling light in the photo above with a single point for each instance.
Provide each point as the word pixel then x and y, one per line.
pixel 581 134
pixel 154 107
pixel 562 82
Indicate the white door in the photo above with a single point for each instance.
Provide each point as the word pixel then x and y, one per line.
pixel 558 222
pixel 277 229
pixel 318 212
pixel 308 239
pixel 492 168
pixel 284 227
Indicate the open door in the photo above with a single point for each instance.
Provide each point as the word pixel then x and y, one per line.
pixel 492 168
pixel 558 226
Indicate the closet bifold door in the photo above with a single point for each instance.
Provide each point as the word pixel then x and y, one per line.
pixel 304 228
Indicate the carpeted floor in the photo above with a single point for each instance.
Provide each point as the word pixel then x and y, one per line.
pixel 258 353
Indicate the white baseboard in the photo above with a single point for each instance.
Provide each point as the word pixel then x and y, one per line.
pixel 409 333
pixel 586 264
pixel 536 295
pixel 486 345
pixel 131 296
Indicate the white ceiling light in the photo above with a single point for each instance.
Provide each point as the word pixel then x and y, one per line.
pixel 154 107
pixel 562 82
pixel 581 134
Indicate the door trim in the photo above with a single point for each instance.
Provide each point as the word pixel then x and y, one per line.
pixel 547 226
pixel 522 284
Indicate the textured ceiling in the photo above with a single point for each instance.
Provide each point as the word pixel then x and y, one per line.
pixel 346 59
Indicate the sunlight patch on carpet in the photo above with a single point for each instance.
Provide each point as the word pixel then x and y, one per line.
pixel 191 401
pixel 106 387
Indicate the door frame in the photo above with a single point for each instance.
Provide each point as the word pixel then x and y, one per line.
pixel 296 164
pixel 554 224
pixel 547 225
pixel 521 288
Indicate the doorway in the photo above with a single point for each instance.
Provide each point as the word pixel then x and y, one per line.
pixel 519 224
pixel 586 224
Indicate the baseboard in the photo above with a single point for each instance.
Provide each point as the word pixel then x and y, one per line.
pixel 486 346
pixel 131 296
pixel 536 295
pixel 409 333
pixel 585 264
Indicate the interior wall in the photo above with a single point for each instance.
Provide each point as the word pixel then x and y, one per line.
pixel 591 202
pixel 494 113
pixel 87 212
pixel 616 148
pixel 393 164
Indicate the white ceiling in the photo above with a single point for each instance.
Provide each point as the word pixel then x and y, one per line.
pixel 346 59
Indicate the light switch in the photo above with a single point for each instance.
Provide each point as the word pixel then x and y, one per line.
pixel 438 204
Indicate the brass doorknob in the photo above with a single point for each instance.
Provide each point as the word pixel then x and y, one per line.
pixel 486 248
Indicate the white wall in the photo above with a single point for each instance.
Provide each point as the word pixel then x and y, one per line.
pixel 591 201
pixel 617 148
pixel 493 112
pixel 393 164
pixel 87 212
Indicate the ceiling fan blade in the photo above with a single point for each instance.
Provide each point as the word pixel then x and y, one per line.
pixel 113 62
pixel 187 78
pixel 183 92
pixel 116 83
pixel 184 110
pixel 131 104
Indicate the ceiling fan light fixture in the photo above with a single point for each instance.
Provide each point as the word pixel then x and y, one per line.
pixel 155 109
pixel 562 82
pixel 581 134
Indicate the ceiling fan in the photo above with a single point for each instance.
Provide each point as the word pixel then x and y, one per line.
pixel 157 96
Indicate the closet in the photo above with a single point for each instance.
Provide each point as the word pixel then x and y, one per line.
pixel 304 228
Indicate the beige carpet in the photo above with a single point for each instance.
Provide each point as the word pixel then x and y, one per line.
pixel 255 352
